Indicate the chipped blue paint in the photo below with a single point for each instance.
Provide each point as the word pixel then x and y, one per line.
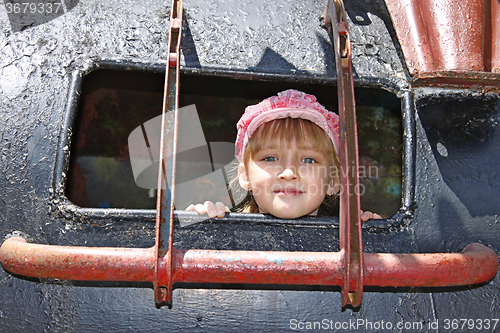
pixel 223 257
pixel 274 258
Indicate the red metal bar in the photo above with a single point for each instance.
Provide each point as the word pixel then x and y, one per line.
pixel 77 262
pixel 477 264
pixel 350 220
pixel 167 161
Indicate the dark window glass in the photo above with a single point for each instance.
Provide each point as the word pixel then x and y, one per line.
pixel 114 103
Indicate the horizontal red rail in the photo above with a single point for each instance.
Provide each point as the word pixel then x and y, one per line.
pixel 77 263
pixel 476 264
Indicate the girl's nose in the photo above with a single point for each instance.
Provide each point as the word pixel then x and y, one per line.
pixel 289 173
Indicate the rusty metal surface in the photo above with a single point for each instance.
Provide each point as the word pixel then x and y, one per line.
pixel 77 263
pixel 447 35
pixel 477 264
pixel 480 81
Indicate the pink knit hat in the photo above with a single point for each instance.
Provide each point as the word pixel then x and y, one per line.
pixel 289 103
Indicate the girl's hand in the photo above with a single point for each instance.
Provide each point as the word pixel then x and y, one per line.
pixel 213 210
pixel 366 215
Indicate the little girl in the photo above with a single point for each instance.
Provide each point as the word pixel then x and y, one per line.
pixel 287 148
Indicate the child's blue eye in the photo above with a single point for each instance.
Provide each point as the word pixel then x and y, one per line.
pixel 308 160
pixel 270 159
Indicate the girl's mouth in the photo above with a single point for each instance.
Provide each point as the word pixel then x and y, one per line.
pixel 288 191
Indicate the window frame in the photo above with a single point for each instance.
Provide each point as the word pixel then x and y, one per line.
pixel 401 88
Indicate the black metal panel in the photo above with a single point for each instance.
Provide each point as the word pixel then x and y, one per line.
pixel 269 40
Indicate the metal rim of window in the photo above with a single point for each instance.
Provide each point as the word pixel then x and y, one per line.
pixel 396 86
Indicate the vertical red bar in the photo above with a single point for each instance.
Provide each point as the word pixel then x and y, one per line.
pixel 167 162
pixel 350 220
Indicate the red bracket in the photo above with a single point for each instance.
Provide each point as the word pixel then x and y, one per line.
pixel 163 265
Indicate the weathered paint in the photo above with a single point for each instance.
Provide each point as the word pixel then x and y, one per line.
pixel 78 263
pixel 495 36
pixel 477 264
pixel 456 196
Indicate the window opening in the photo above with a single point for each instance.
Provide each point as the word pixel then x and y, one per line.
pixel 113 103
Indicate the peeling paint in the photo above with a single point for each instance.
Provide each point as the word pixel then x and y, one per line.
pixel 35 66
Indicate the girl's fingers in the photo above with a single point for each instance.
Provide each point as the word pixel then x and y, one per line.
pixel 365 216
pixel 200 209
pixel 212 210
pixel 221 209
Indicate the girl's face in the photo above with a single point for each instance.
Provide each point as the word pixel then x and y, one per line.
pixel 287 182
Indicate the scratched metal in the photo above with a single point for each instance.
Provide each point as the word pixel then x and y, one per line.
pixel 452 207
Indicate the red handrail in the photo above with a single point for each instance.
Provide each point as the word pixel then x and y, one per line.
pixel 77 262
pixel 476 264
